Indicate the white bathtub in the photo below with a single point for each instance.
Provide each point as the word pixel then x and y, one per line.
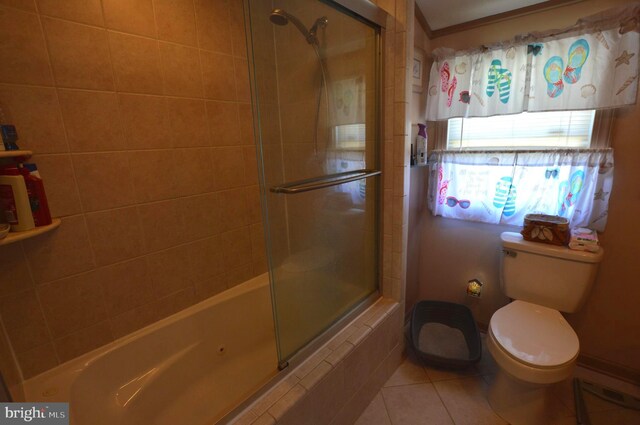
pixel 190 368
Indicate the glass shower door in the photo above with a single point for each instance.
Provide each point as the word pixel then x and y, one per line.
pixel 315 84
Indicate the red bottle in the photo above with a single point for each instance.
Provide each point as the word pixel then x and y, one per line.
pixel 37 195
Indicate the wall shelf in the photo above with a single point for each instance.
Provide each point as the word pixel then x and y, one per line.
pixel 19 236
pixel 16 154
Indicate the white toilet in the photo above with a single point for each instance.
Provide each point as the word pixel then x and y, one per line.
pixel 532 343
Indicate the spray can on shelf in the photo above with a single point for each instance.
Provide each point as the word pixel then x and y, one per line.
pixel 421 145
pixel 37 196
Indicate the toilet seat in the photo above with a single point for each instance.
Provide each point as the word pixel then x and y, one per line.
pixel 534 335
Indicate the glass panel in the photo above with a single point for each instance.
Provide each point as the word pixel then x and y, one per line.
pixel 529 130
pixel 315 87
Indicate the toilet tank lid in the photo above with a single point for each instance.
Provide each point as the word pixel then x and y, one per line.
pixel 515 241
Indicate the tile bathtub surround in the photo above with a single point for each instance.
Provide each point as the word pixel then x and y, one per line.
pixel 134 113
pixel 91 135
pixel 337 382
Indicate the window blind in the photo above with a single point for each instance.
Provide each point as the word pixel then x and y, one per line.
pixel 533 130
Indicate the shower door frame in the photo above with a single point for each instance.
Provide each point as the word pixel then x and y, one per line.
pixel 376 18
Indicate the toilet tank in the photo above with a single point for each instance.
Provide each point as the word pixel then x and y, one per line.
pixel 553 276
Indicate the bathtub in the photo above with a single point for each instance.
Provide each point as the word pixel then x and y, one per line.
pixel 192 367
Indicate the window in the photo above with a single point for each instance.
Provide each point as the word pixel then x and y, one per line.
pixel 536 130
pixel 498 169
pixel 350 136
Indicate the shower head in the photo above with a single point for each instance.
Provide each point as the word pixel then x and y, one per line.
pixel 281 18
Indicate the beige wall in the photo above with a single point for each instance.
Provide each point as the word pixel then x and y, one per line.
pixel 139 116
pixel 454 251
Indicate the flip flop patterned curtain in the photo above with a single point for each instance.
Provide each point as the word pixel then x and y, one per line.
pixel 592 65
pixel 501 187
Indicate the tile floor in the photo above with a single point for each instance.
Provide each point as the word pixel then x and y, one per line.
pixel 417 395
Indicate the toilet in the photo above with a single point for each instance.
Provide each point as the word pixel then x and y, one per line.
pixel 529 339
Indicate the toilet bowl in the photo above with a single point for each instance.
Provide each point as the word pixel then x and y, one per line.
pixel 534 347
pixel 532 343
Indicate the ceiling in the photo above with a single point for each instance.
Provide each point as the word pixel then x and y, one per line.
pixel 447 16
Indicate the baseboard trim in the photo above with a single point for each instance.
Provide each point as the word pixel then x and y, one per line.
pixel 608 368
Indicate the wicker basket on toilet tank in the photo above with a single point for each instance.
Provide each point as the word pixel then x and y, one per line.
pixel 551 229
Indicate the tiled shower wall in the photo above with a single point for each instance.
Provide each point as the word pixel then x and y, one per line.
pixel 138 112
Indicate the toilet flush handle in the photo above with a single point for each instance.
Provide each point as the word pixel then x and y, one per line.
pixel 509 253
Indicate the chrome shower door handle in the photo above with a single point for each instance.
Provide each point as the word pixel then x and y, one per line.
pixel 321 182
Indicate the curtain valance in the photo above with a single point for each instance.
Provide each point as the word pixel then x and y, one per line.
pixel 503 186
pixel 591 65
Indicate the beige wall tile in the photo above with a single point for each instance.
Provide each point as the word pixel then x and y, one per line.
pixel 149 313
pixel 176 21
pixel 72 304
pixel 246 123
pixel 136 63
pixel 237 275
pixel 62 252
pixel 205 258
pixel 115 235
pixel 162 224
pixel 237 245
pixel 133 320
pixel 104 180
pixel 146 121
pixel 83 341
pixel 187 122
pixel 125 285
pixel 169 270
pixel 210 287
pixel 36 114
pixel 250 165
pixel 29 63
pixel 214 31
pixel 20 4
pixel 201 216
pixel 228 167
pixel 10 369
pixel 153 176
pixel 252 194
pixel 84 11
pixel 59 183
pixel 92 120
pixel 132 16
pixel 37 360
pixel 238 37
pixel 258 249
pixel 181 70
pixel 175 302
pixel 15 275
pixel 259 266
pixel 79 55
pixel 218 75
pixel 232 207
pixel 243 89
pixel 223 123
pixel 23 320
pixel 191 170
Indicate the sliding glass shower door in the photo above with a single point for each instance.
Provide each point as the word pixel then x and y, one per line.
pixel 315 82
